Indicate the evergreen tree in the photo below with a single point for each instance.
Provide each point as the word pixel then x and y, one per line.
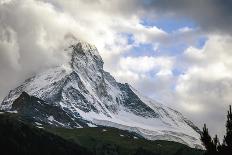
pixel 209 143
pixel 226 148
pixel 228 137
pixel 213 147
pixel 206 138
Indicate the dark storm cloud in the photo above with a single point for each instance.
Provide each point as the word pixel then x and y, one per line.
pixel 211 15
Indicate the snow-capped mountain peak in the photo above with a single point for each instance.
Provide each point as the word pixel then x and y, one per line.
pixel 85 92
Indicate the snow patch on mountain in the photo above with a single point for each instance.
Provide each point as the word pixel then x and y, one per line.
pixel 84 91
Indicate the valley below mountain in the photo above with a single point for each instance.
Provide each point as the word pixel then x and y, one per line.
pixel 20 137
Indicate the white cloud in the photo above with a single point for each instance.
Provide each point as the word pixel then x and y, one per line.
pixel 204 90
pixel 184 30
pixel 4 1
pixel 151 75
pixel 37 29
pixel 9 47
pixel 33 31
pixel 144 34
pixel 146 64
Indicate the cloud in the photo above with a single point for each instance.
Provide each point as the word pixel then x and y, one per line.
pixel 146 64
pixel 151 75
pixel 35 31
pixel 211 15
pixel 31 39
pixel 204 90
pixel 9 48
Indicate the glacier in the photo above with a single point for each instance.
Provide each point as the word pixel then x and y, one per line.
pixel 87 96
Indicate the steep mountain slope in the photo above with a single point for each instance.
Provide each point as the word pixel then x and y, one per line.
pixel 87 94
pixel 35 111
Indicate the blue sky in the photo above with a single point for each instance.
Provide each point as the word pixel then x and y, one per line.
pixel 169 24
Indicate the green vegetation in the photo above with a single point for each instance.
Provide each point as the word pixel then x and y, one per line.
pixel 107 141
pixel 18 137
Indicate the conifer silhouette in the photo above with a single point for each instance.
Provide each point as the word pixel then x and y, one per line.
pixel 213 147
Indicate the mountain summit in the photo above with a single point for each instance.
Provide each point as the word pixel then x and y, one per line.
pixel 80 94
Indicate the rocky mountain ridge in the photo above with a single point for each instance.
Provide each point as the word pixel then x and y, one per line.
pixel 80 93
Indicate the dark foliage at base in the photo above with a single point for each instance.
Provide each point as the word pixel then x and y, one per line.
pixel 112 141
pixel 17 137
pixel 213 145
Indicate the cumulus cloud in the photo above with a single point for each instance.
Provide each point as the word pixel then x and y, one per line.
pixel 33 31
pixel 152 75
pixel 33 35
pixel 204 90
pixel 146 64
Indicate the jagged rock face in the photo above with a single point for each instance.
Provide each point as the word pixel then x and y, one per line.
pixel 134 103
pixel 87 94
pixel 36 111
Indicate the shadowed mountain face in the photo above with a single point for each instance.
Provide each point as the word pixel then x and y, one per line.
pixel 80 94
pixel 36 111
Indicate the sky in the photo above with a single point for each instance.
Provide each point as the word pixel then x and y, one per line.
pixel 177 52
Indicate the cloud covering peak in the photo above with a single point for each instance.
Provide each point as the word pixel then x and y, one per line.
pixel 175 50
